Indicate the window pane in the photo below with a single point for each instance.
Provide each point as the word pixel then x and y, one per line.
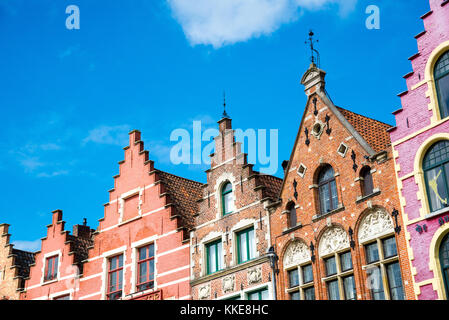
pixel 292 217
pixel 251 243
pixel 443 95
pixel 324 198
pixel 334 204
pixel 113 263
pixel 151 250
pixel 307 273
pixel 243 247
pixel 264 294
pixel 331 266
pixel 367 183
pixel 395 281
pixel 372 253
pixel 332 289
pixel 142 272
pixel 390 249
pixel 375 283
pixel 346 261
pixel 294 278
pixel 295 296
pixel 436 185
pixel 227 203
pixel 211 256
pixel 151 269
pixel 309 293
pixel 113 282
pixel 219 255
pixel 349 286
pixel 143 253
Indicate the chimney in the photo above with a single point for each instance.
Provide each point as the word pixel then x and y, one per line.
pixel 82 231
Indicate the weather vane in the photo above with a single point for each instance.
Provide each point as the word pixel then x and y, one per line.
pixel 225 115
pixel 313 51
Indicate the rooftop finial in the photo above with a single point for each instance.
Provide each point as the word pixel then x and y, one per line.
pixel 225 115
pixel 313 51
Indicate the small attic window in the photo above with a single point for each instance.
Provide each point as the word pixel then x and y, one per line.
pixel 302 170
pixel 342 149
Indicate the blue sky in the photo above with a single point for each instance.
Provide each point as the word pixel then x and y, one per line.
pixel 69 97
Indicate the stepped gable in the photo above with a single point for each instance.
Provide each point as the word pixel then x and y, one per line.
pixel 79 247
pixel 373 131
pixel 22 261
pixel 184 193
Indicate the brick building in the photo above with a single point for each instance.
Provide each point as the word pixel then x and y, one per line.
pixel 421 151
pixel 334 227
pixel 231 238
pixel 141 248
pixel 55 273
pixel 14 266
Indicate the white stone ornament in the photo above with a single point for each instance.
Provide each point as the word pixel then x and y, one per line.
pixel 334 239
pixel 204 292
pixel 296 253
pixel 375 224
pixel 229 284
pixel 255 275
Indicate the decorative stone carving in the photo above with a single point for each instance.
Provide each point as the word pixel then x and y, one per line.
pixel 204 291
pixel 333 239
pixel 375 224
pixel 229 284
pixel 255 275
pixel 296 253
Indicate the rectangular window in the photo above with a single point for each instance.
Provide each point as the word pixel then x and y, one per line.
pixel 214 256
pixel 395 281
pixel 294 278
pixel 258 295
pixel 145 267
pixel 64 297
pixel 375 283
pixel 346 261
pixel 372 253
pixel 331 266
pixel 245 245
pixel 309 293
pixel 389 246
pixel 51 268
pixel 349 288
pixel 332 290
pixel 307 274
pixel 295 295
pixel 115 278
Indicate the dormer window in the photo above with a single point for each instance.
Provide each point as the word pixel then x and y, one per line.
pixel 226 198
pixel 441 75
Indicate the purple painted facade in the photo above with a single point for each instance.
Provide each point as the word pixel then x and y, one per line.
pixel 418 127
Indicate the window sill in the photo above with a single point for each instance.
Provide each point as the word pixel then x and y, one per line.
pixel 437 213
pixel 45 282
pixel 286 231
pixel 376 192
pixel 324 215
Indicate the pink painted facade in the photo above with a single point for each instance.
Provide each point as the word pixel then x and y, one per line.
pixel 419 125
pixel 146 207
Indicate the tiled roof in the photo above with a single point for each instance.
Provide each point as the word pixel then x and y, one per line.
pixel 374 132
pixel 273 186
pixel 79 245
pixel 23 259
pixel 184 193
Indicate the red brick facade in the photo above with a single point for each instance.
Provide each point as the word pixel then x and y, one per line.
pixel 251 191
pixel 334 137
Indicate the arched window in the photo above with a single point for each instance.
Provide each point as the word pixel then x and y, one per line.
pixel 327 190
pixel 226 198
pixel 292 218
pixel 441 75
pixel 444 260
pixel 436 173
pixel 366 181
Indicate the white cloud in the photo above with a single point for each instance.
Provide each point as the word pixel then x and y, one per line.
pixel 31 246
pixel 115 135
pixel 223 22
pixel 52 174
